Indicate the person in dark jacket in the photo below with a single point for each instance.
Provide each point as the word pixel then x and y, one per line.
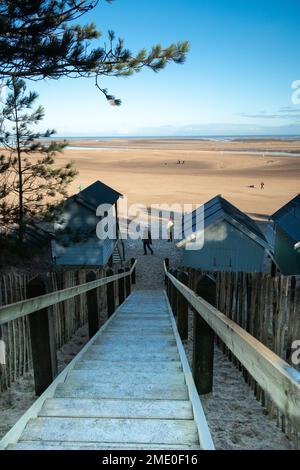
pixel 147 241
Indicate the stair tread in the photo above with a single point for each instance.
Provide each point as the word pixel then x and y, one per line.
pixel 133 367
pixel 150 431
pixel 139 356
pixel 63 445
pixel 120 376
pixel 106 408
pixel 71 389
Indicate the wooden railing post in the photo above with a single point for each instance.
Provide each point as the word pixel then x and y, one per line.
pixel 121 287
pixel 42 334
pixel 168 288
pixel 133 280
pixel 110 292
pixel 175 295
pixel 128 282
pixel 167 264
pixel 171 288
pixel 183 309
pixel 203 344
pixel 92 306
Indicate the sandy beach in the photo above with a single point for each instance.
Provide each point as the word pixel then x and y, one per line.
pixel 147 170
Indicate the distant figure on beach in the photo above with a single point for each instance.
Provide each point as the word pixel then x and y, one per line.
pixel 147 240
pixel 262 185
pixel 170 228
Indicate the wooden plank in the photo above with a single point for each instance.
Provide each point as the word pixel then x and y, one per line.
pixel 107 408
pixel 129 356
pixel 120 375
pixel 62 445
pixel 274 375
pixel 139 346
pixel 137 367
pixel 118 340
pixel 127 390
pixel 150 431
pixel 20 309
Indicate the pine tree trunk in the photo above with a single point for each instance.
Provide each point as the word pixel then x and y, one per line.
pixel 20 176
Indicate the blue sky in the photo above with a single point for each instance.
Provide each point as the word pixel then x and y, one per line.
pixel 236 80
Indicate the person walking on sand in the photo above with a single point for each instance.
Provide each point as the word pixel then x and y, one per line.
pixel 262 185
pixel 170 228
pixel 147 241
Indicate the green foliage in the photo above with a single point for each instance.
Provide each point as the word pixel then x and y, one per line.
pixel 32 186
pixel 40 39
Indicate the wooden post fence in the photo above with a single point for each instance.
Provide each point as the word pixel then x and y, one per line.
pixel 42 334
pixel 175 295
pixel 121 287
pixel 167 264
pixel 171 290
pixel 92 306
pixel 133 280
pixel 110 293
pixel 203 344
pixel 127 283
pixel 183 309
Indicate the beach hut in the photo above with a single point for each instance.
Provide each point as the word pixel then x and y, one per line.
pixel 76 242
pixel 232 241
pixel 287 237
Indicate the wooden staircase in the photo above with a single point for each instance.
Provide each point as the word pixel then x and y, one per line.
pixel 131 388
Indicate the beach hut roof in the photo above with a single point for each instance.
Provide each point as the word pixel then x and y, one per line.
pixel 288 218
pixel 37 234
pixel 96 194
pixel 218 209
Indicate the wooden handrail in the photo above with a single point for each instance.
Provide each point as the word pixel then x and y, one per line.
pixel 276 377
pixel 25 307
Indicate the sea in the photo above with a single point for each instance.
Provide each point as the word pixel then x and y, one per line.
pixel 222 138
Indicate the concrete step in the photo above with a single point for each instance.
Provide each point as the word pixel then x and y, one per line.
pixel 136 409
pixel 63 445
pixel 71 389
pixel 142 377
pixel 137 431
